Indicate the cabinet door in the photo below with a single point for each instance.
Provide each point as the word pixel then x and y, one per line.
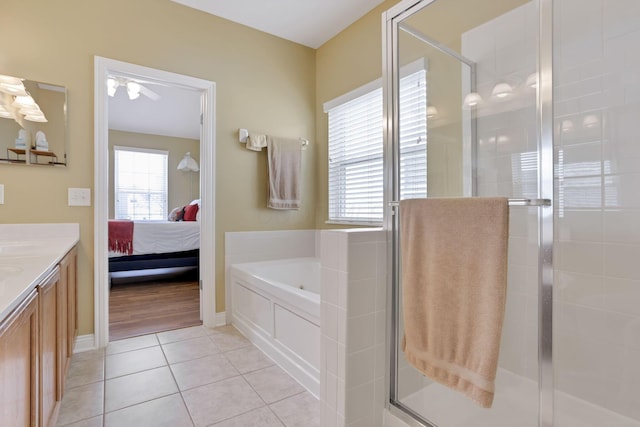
pixel 69 266
pixel 68 308
pixel 19 365
pixel 49 295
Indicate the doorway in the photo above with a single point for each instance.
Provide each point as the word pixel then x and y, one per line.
pixel 103 69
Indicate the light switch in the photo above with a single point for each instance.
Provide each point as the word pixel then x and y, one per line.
pixel 1 194
pixel 79 196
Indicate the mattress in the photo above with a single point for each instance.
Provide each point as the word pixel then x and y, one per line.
pixel 157 237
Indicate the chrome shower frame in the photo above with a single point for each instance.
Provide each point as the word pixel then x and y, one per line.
pixel 391 23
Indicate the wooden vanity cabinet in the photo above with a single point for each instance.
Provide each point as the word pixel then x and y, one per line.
pixel 36 345
pixel 51 303
pixel 58 330
pixel 19 365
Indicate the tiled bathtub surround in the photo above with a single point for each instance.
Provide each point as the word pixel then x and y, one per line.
pixel 252 246
pixel 353 304
pixel 352 313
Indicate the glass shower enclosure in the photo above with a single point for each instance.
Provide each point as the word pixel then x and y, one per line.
pixel 488 134
pixel 537 101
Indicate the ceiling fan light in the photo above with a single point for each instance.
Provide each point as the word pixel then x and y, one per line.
pixel 133 90
pixel 112 85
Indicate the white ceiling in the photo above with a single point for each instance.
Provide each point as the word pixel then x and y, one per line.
pixel 308 22
pixel 177 111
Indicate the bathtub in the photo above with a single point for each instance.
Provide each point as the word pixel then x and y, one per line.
pixel 276 304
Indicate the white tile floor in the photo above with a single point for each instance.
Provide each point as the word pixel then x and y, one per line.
pixel 187 377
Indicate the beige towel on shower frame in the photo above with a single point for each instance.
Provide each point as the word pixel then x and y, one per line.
pixel 285 177
pixel 454 276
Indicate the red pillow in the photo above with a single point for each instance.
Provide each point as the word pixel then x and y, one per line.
pixel 190 212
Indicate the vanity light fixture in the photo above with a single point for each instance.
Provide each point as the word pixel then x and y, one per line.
pixel 20 107
pixel 23 101
pixel 472 100
pixel 566 126
pixel 590 121
pixel 5 113
pixel 532 81
pixel 12 86
pixel 502 90
pixel 36 116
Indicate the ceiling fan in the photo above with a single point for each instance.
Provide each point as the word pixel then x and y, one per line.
pixel 133 88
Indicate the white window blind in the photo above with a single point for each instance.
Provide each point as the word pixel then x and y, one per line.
pixel 356 151
pixel 140 183
pixel 413 136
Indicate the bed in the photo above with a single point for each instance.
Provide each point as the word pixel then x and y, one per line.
pixel 155 244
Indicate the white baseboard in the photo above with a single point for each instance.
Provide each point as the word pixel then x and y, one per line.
pixel 88 342
pixel 221 318
pixel 85 343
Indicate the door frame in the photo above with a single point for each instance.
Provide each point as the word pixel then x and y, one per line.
pixel 102 68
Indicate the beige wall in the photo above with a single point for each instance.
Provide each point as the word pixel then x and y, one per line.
pixel 347 61
pixel 183 186
pixel 263 83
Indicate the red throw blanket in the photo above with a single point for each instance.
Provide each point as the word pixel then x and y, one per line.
pixel 121 236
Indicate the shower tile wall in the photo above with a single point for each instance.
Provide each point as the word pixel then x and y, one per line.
pixel 504 50
pixel 597 211
pixel 353 315
pixel 597 134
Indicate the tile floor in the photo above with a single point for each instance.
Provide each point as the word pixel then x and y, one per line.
pixel 188 377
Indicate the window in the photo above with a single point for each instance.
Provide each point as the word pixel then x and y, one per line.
pixel 140 183
pixel 356 149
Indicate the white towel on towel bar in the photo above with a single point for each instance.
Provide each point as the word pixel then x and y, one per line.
pixel 256 141
pixel 285 177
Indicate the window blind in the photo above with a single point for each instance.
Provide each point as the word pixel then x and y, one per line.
pixel 413 135
pixel 140 184
pixel 356 151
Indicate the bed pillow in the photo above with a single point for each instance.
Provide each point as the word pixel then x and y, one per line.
pixel 190 212
pixel 177 214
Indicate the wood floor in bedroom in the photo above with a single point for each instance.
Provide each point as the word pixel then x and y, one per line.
pixel 153 304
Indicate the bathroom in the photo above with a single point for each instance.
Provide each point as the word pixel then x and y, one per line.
pixel 596 285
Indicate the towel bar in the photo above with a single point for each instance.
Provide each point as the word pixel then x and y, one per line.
pixel 243 135
pixel 512 202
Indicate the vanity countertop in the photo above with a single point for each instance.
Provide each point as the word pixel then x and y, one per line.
pixel 28 252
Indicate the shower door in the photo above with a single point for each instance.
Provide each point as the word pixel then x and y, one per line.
pixel 474 129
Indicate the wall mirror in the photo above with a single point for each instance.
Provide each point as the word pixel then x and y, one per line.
pixel 33 122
